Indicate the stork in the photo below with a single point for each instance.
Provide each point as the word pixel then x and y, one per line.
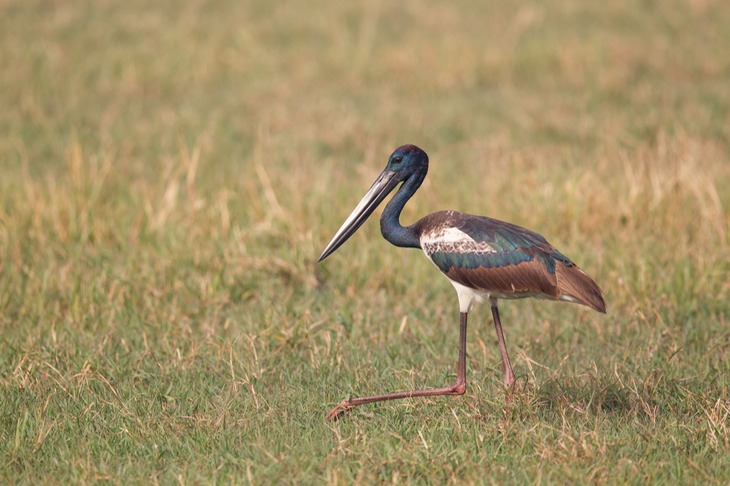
pixel 485 259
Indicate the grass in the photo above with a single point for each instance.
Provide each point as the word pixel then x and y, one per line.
pixel 172 171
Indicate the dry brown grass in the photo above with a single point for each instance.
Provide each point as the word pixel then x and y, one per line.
pixel 165 195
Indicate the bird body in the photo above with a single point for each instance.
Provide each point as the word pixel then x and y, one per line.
pixel 485 259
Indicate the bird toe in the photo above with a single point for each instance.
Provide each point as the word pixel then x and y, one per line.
pixel 340 410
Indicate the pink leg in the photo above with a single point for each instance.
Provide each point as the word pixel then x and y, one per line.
pixel 458 388
pixel 509 375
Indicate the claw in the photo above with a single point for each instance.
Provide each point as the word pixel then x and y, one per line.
pixel 510 390
pixel 341 409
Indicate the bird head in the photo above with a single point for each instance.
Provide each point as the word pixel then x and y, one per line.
pixel 405 162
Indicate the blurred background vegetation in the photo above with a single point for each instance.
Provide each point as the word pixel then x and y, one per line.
pixel 171 171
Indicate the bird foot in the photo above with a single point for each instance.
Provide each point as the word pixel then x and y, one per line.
pixel 344 407
pixel 509 394
pixel 510 388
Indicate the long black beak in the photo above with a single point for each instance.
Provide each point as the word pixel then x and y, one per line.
pixel 382 186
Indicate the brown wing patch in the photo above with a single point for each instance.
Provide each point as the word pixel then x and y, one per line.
pixel 525 278
pixel 575 283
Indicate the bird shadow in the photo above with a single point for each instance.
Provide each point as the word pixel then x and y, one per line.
pixel 581 396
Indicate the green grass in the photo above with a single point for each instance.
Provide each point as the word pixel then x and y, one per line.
pixel 171 172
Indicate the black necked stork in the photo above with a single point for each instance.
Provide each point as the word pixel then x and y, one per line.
pixel 485 259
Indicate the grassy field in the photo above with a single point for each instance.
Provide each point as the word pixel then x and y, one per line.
pixel 172 170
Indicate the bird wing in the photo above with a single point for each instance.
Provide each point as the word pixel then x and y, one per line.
pixel 491 255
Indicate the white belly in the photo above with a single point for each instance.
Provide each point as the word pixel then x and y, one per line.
pixel 468 296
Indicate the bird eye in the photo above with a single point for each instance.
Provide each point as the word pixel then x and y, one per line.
pixel 397 159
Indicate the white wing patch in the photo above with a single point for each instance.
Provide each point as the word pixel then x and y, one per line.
pixel 448 239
